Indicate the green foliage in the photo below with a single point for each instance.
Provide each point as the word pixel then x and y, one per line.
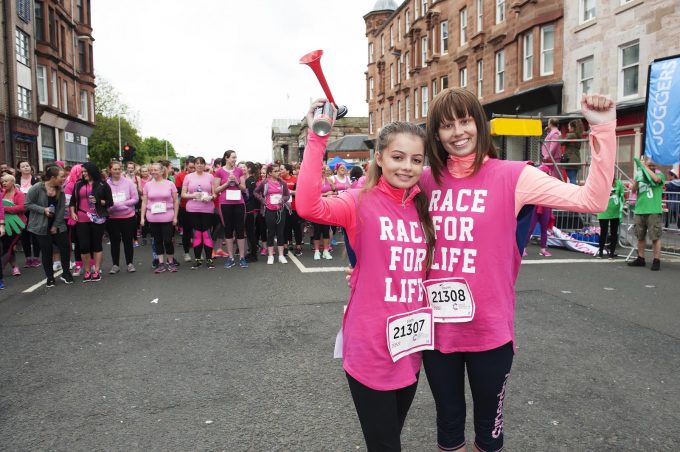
pixel 152 149
pixel 103 144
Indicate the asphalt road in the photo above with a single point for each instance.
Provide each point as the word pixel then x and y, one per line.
pixel 241 360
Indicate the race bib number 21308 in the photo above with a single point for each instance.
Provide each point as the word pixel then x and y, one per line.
pixel 450 299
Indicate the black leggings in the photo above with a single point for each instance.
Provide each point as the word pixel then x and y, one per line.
pixel 162 234
pixel 47 244
pixel 276 224
pixel 294 228
pixel 90 237
pixel 234 220
pixel 184 220
pixel 488 374
pixel 29 243
pixel 251 232
pixel 382 413
pixel 321 230
pixel 613 227
pixel 124 228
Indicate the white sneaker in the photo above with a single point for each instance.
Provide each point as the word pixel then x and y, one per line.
pixel 270 260
pixel 283 260
pixel 115 269
pixel 327 255
pixel 317 255
pixel 187 257
pixel 56 266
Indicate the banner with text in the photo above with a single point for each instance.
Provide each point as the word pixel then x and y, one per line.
pixel 662 122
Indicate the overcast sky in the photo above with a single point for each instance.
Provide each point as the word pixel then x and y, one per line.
pixel 210 75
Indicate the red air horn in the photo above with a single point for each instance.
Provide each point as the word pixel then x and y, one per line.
pixel 313 60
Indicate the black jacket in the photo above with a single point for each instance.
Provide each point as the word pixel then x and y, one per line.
pixel 101 191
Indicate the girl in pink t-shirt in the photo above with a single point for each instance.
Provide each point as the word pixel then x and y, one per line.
pixel 198 189
pixel 273 193
pixel 230 182
pixel 160 206
pixel 392 236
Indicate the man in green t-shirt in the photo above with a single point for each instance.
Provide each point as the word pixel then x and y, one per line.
pixel 648 209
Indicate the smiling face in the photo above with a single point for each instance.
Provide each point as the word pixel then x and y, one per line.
pixel 115 171
pixel 458 136
pixel 402 160
pixel 7 183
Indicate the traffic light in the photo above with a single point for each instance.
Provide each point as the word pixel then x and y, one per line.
pixel 128 152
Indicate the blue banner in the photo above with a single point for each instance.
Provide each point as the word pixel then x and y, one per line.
pixel 662 123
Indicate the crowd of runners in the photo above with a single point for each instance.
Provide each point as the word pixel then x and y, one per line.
pixel 237 211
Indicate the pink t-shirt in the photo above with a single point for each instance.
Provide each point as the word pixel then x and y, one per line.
pixel 274 193
pixel 84 205
pixel 195 183
pixel 159 194
pixel 341 184
pixel 222 175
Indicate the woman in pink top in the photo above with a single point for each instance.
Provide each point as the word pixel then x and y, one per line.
pixel 197 187
pixel 273 193
pixel 73 177
pixel 13 202
pixel 393 237
pixel 550 151
pixel 321 233
pixel 122 222
pixel 160 206
pixel 29 242
pixel 480 207
pixel 230 181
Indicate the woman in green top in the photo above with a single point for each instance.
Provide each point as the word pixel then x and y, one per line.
pixel 572 151
pixel 610 219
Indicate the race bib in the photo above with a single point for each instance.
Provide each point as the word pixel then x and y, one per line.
pixel 68 199
pixel 158 207
pixel 275 199
pixel 450 299
pixel 409 333
pixel 24 190
pixel 233 195
pixel 118 197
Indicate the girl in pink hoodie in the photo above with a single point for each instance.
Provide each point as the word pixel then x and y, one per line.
pixel 388 225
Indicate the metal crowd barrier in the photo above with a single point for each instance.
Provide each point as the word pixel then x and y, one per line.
pixel 670 238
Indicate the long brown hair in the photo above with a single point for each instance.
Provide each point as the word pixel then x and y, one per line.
pixel 451 104
pixel 387 133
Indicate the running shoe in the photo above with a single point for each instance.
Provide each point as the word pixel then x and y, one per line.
pixel 243 262
pixel 656 265
pixel 638 262
pixel 66 278
pixel 96 276
pixel 524 253
pixel 197 264
pixel 172 268
pixel 56 266
pixel 285 251
pixel 221 253
pixel 229 262
pixel 29 262
pixel 131 268
pixel 135 244
pixel 283 260
pixel 2 284
pixel 154 263
pixel 270 260
pixel 613 256
pixel 87 277
pixel 298 251
pixel 330 249
pixel 263 251
pixel 327 255
pixel 545 253
pixel 36 262
pixel 77 268
pixel 50 282
pixel 187 257
pixel 115 269
pixel 16 271
pixel 317 255
pixel 160 269
pixel 211 263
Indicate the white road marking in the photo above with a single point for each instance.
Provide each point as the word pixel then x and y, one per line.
pixel 304 269
pixel 37 285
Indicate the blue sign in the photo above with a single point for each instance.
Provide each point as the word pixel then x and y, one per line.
pixel 662 123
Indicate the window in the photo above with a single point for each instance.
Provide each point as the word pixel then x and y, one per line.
pixel 392 77
pixel 55 90
pixel 370 123
pixel 415 103
pixel 423 49
pixel 434 41
pixel 391 36
pixel 398 29
pixel 480 77
pixel 391 112
pixel 22 48
pixel 399 65
pixel 64 99
pixel 424 97
pixel 547 49
pixel 585 77
pixel 408 21
pixel 24 10
pixel 480 14
pixel 462 15
pixel 444 32
pixel 82 62
pixel 398 110
pixel 63 42
pixel 24 102
pixel 445 82
pixel 462 76
pixel 500 71
pixel 382 117
pixel 49 144
pixel 41 73
pixel 424 9
pixel 434 88
pixel 408 108
pixel 629 73
pixel 388 81
pixel 407 58
pixel 52 28
pixel 39 21
pixel 79 11
pixel 371 88
pixel 83 105
pixel 416 14
pixel 382 44
pixel 586 10
pixel 370 53
pixel 528 58
pixel 500 11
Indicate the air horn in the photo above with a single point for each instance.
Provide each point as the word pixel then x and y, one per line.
pixel 322 115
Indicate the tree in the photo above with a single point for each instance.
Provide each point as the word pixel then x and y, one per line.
pixel 109 102
pixel 103 143
pixel 153 148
